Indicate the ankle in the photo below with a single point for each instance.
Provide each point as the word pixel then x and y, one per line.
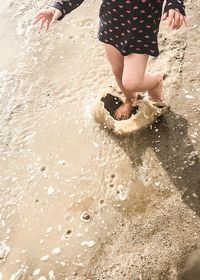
pixel 128 101
pixel 132 97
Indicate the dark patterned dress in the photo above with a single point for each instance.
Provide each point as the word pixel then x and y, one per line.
pixel 131 26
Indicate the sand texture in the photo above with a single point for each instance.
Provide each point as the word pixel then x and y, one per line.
pixel 77 202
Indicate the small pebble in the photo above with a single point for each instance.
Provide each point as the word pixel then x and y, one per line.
pixel 56 251
pixel 189 96
pixel 49 229
pixel 36 272
pixel 51 275
pixel 90 243
pixel 85 217
pixel 50 190
pixel 44 258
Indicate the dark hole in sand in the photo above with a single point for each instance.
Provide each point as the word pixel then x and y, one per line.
pixel 69 231
pixel 43 168
pixel 112 103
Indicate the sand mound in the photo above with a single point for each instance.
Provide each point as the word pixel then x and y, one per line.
pixel 144 112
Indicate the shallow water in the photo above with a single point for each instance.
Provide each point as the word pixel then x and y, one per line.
pixel 60 173
pixel 58 163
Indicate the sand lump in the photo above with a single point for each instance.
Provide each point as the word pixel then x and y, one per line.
pixel 144 112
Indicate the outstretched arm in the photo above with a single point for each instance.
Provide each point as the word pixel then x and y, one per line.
pixel 57 12
pixel 66 6
pixel 174 12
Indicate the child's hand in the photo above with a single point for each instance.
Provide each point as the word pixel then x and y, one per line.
pixel 47 17
pixel 175 19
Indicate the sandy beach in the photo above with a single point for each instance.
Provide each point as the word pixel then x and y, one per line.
pixel 77 202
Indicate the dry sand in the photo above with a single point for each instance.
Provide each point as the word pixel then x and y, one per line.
pixel 142 192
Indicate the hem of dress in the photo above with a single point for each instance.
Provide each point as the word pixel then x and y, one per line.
pixel 127 53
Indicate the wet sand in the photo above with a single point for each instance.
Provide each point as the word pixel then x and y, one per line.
pixel 140 192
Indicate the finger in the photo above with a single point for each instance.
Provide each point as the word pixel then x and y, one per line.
pixel 180 22
pixel 47 25
pixel 164 16
pixel 170 17
pixel 42 23
pixel 37 19
pixel 176 20
pixel 56 15
pixel 40 13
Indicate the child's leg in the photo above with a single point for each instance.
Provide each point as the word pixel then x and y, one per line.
pixel 135 77
pixel 116 60
pixel 131 77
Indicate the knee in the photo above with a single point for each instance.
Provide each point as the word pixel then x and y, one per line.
pixel 132 84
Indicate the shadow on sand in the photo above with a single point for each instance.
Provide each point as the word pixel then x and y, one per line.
pixel 168 137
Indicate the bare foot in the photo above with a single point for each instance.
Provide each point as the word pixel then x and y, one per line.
pixel 124 111
pixel 156 93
